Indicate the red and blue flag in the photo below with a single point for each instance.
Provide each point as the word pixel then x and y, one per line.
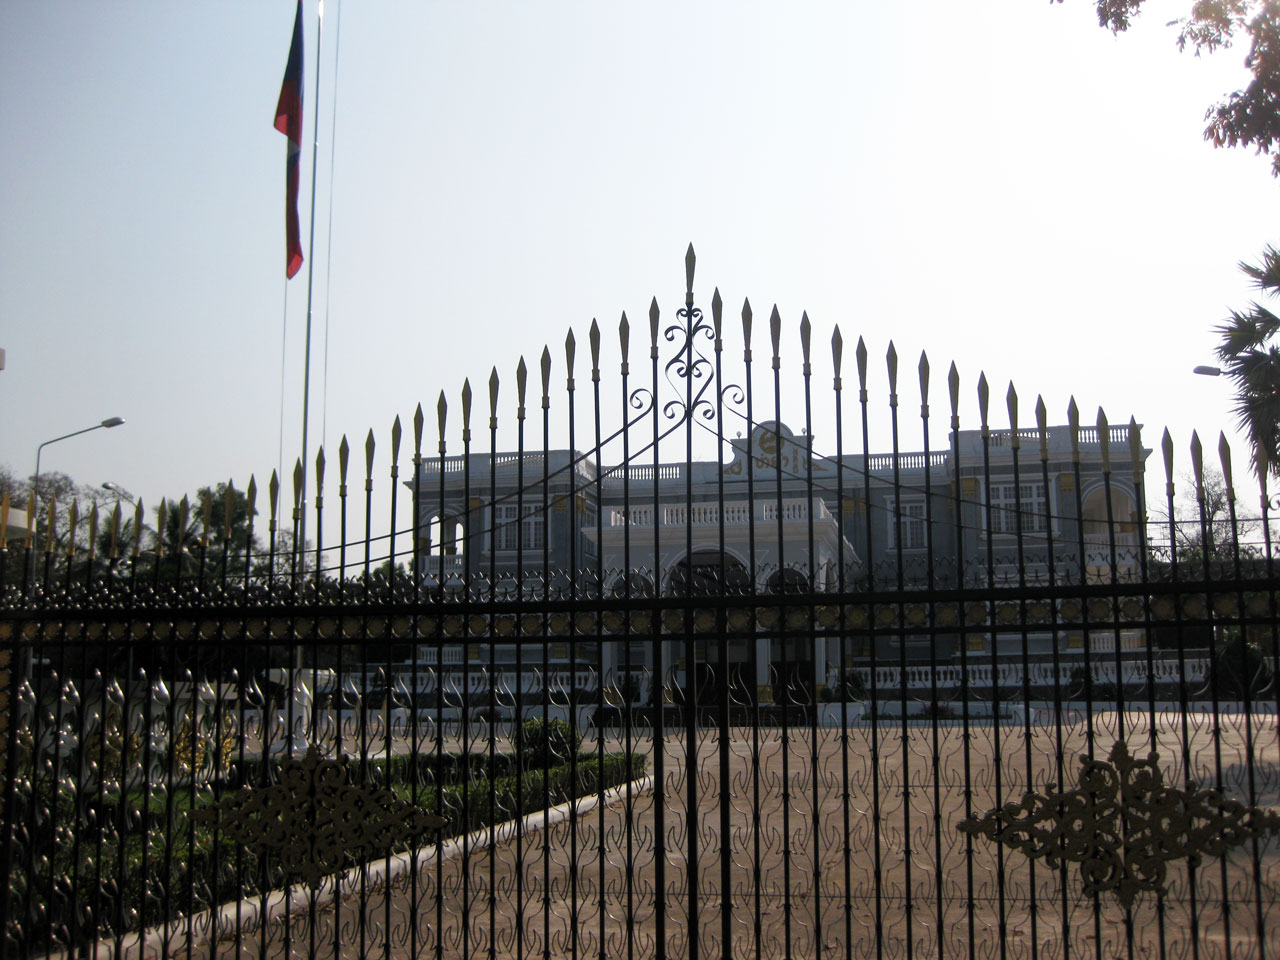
pixel 289 122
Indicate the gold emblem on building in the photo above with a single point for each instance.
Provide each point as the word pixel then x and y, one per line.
pixel 313 819
pixel 1123 825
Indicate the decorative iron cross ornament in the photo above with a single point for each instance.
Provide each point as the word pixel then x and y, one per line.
pixel 313 819
pixel 1122 825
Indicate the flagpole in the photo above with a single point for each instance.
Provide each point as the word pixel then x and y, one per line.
pixel 300 521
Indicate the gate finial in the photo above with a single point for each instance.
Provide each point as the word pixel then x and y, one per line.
pixel 1224 456
pixel 227 502
pixel 984 399
pixel 689 262
pixel 546 378
pixel 319 483
pixel 953 385
pixel 522 380
pixel 395 446
pixel 891 361
pixel 251 499
pixel 493 399
pixel 717 309
pixel 466 413
pixel 1166 447
pixel 624 341
pixel 297 489
pixel 344 455
pixel 1197 467
pixel 746 330
pixel 368 457
pixel 442 413
pixel 1011 401
pixel 1073 421
pixel 775 334
pixel 805 333
pixel 653 329
pixel 418 420
pixel 923 369
pixel 837 351
pixel 1104 440
pixel 860 354
pixel 570 347
pixel 1042 426
pixel 593 338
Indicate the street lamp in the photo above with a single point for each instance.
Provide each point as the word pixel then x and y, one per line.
pixel 120 492
pixel 1207 371
pixel 107 423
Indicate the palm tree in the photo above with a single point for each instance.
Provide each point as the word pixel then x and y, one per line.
pixel 1250 358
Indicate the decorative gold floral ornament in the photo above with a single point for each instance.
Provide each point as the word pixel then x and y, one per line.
pixel 1122 825
pixel 313 819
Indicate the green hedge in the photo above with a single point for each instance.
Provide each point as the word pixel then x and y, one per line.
pixel 90 849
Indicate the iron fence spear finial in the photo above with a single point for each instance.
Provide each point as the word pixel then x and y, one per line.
pixel 924 385
pixel 624 341
pixel 953 386
pixel 593 338
pixel 418 421
pixel 1042 426
pixel 522 378
pixel 653 328
pixel 1073 422
pixel 746 330
pixel 837 354
pixel 1224 457
pixel 690 260
pixel 717 310
pixel 984 400
pixel 775 334
pixel 493 399
pixel 1104 440
pixel 860 354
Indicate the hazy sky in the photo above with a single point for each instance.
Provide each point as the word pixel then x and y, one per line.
pixel 1002 184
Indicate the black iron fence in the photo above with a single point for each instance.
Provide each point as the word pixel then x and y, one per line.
pixel 655 689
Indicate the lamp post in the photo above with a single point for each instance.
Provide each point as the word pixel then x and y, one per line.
pixel 107 423
pixel 120 492
pixel 1207 371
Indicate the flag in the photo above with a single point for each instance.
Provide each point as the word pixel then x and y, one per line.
pixel 289 122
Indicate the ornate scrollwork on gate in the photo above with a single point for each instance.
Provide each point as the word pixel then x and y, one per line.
pixel 1123 825
pixel 313 819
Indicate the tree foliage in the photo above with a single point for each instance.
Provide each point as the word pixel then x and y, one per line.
pixel 1248 351
pixel 1248 117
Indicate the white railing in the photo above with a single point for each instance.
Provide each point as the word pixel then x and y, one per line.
pixel 736 513
pixel 949 677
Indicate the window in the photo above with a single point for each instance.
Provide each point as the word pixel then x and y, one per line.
pixel 907 526
pixel 1007 499
pixel 528 534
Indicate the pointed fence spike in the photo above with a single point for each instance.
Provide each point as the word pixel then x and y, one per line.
pixel 1073 422
pixel 593 339
pixel 73 521
pixel 1042 427
pixel 837 353
pixel 344 455
pixel 31 521
pixel 395 441
pixel 717 314
pixel 1224 457
pixel 1197 464
pixel 184 515
pixel 891 364
pixel 522 379
pixel 775 333
pixel 418 422
pixel 228 502
pixel 1011 403
pixel 117 516
pixel 93 529
pixel 924 385
pixel 319 475
pixel 570 349
pixel 162 517
pixel 624 341
pixel 1104 440
pixel 546 378
pixel 297 483
pixel 860 355
pixel 466 406
pixel 746 330
pixel 369 447
pixel 493 398
pixel 442 414
pixel 1135 449
pixel 653 328
pixel 689 262
pixel 806 333
pixel 251 499
pixel 1166 448
pixel 953 387
pixel 206 517
pixel 984 401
